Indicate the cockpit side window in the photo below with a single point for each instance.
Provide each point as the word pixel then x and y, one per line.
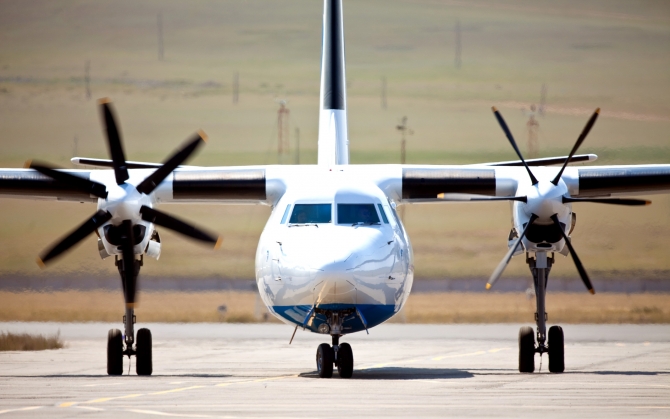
pixel 283 218
pixel 357 214
pixel 381 211
pixel 311 213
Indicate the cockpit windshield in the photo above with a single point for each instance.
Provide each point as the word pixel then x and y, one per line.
pixel 311 213
pixel 357 214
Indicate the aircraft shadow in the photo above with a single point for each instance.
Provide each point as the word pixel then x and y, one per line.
pixel 399 373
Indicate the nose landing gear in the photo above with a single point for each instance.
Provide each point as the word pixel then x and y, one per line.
pixel 338 354
pixel 540 267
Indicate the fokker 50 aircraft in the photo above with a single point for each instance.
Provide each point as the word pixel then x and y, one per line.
pixel 334 257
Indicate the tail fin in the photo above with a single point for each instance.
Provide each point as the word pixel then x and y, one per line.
pixel 333 139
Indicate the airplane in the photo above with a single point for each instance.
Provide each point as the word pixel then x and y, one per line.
pixel 334 257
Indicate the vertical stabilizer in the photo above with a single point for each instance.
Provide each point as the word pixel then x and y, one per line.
pixel 333 139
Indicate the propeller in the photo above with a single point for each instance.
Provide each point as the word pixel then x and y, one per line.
pixel 114 141
pixel 504 127
pixel 612 201
pixel 146 187
pixel 565 199
pixel 503 263
pixel 168 221
pixel 72 181
pixel 579 142
pixel 74 237
pixel 575 258
pixel 152 181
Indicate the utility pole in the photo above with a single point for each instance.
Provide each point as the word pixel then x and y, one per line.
pixel 160 37
pixel 87 78
pixel 384 92
pixel 457 57
pixel 282 128
pixel 236 87
pixel 404 132
pixel 297 145
pixel 543 99
pixel 533 130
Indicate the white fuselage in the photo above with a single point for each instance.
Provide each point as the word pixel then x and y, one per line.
pixel 365 269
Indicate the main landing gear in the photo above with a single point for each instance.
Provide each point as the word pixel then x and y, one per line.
pixel 120 345
pixel 339 355
pixel 552 344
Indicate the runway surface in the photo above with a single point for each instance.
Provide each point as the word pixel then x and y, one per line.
pixel 226 370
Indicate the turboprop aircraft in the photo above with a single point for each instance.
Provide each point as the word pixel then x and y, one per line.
pixel 334 257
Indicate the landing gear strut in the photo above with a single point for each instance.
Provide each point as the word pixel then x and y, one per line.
pixel 338 354
pixel 120 345
pixel 552 344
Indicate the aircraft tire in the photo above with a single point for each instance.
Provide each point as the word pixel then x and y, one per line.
pixel 325 357
pixel 526 349
pixel 345 361
pixel 556 349
pixel 114 352
pixel 144 361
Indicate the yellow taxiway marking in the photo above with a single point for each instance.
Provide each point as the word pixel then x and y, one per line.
pixel 174 390
pixel 23 409
pixel 100 400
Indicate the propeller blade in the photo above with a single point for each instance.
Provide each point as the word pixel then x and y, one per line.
pixel 128 259
pixel 168 221
pixel 114 141
pixel 503 263
pixel 74 237
pixel 73 181
pixel 455 197
pixel 575 258
pixel 152 181
pixel 612 201
pixel 504 127
pixel 579 142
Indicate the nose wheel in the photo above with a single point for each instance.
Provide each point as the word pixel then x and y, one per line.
pixel 328 356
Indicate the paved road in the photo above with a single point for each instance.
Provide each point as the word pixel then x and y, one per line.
pixel 223 370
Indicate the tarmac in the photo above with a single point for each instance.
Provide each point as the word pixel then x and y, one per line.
pixel 238 370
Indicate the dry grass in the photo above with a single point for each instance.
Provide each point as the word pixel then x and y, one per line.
pixel 26 342
pixel 244 307
pixel 107 306
pixel 518 308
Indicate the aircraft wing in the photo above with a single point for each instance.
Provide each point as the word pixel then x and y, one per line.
pixel 422 183
pixel 225 184
pixel 30 184
pixel 407 183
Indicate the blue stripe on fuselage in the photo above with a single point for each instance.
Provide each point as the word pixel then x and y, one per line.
pixel 374 314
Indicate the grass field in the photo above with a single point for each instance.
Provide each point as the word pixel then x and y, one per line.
pixel 26 342
pixel 245 307
pixel 611 54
